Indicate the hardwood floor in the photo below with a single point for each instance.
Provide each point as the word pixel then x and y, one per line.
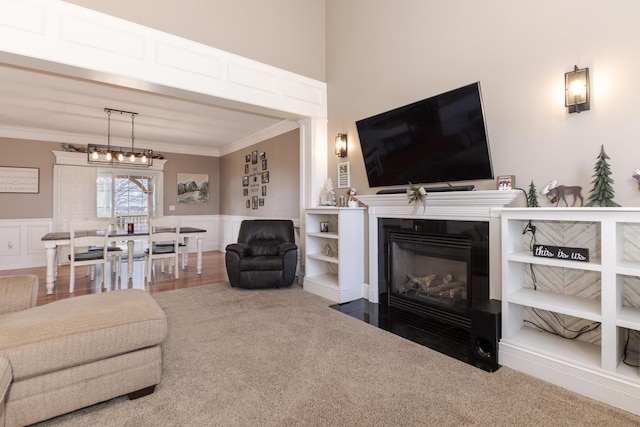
pixel 213 270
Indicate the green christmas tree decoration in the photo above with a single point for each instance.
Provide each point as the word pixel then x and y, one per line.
pixel 602 192
pixel 532 196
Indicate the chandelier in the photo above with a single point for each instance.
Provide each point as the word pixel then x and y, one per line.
pixel 125 156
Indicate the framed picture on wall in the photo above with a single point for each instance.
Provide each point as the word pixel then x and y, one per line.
pixel 261 202
pixel 193 188
pixel 19 180
pixel 265 177
pixel 264 164
pixel 254 157
pixel 344 175
pixel 246 169
pixel 248 204
pixel 245 192
pixel 247 158
pixel 245 181
pixel 264 190
pixel 254 202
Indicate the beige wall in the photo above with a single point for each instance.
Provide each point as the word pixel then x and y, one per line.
pixel 283 190
pixel 39 154
pixel 288 34
pixel 382 54
pixel 183 163
pixel 225 179
pixel 28 154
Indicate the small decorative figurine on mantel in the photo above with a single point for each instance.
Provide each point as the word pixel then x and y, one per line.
pixel 532 196
pixel 602 193
pixel 636 176
pixel 555 193
pixel 415 193
pixel 352 202
pixel 327 194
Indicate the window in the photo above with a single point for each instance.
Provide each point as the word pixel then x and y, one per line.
pixel 129 197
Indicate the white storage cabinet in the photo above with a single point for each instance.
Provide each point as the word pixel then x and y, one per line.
pixel 334 260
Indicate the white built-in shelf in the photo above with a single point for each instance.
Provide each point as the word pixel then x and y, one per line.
pixel 326 279
pixel 628 268
pixel 527 257
pixel 558 303
pixel 592 364
pixel 324 235
pixel 340 277
pixel 324 258
pixel 629 317
pixel 553 346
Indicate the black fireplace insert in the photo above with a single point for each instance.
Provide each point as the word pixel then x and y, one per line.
pixel 436 268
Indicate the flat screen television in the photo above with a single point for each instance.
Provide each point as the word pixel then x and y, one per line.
pixel 439 139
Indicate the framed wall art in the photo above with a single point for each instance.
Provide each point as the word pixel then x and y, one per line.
pixel 19 180
pixel 193 188
pixel 344 175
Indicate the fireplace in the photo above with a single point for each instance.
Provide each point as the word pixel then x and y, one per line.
pixel 435 268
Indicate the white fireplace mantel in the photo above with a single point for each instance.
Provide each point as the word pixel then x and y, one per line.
pixel 451 205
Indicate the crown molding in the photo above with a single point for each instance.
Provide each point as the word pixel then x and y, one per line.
pixel 270 132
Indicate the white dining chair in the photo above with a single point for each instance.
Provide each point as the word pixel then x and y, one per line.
pixel 164 243
pixel 114 251
pixel 85 234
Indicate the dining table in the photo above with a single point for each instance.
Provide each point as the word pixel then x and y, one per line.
pixel 54 240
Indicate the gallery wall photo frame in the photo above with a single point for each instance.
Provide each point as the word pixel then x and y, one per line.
pixel 19 180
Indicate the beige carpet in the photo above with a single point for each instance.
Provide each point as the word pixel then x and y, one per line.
pixel 284 358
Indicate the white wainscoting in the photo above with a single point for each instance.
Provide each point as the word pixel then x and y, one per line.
pixel 20 244
pixel 230 227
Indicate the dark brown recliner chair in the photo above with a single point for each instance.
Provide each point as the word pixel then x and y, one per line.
pixel 264 257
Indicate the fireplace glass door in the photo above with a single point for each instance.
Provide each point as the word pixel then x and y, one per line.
pixel 431 271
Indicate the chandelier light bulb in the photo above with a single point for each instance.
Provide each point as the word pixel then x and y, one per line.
pixel 94 155
pixel 132 158
pixel 120 157
pixel 143 159
pixel 108 155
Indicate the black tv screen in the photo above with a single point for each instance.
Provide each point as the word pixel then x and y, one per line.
pixel 438 139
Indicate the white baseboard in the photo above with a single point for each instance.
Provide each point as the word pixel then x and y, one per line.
pixel 595 384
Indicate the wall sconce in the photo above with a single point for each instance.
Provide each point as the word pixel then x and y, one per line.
pixel 341 145
pixel 576 86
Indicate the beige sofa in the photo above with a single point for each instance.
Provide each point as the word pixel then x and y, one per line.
pixel 75 352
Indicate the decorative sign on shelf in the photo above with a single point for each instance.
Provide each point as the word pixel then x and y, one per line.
pixel 561 252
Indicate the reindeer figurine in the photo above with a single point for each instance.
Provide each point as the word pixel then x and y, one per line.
pixel 636 176
pixel 555 192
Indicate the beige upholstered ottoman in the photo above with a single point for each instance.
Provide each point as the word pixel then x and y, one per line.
pixel 5 380
pixel 80 351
